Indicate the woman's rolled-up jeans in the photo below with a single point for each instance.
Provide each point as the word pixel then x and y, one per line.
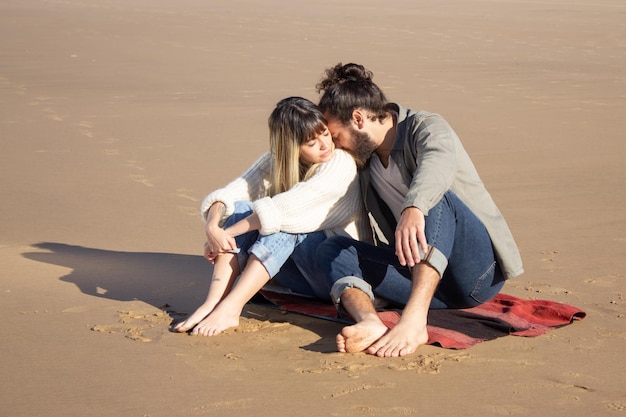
pixel 288 258
pixel 464 258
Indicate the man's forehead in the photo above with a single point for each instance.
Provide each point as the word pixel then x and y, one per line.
pixel 334 125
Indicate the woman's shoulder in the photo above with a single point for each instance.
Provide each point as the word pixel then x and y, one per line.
pixel 344 157
pixel 342 161
pixel 342 165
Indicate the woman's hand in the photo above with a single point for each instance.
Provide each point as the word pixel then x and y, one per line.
pixel 218 241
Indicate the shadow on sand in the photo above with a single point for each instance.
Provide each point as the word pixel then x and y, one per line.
pixel 159 279
pixel 174 283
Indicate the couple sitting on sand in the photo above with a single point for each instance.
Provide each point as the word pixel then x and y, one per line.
pixel 357 199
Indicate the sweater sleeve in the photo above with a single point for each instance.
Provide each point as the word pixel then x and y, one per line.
pixel 312 204
pixel 432 143
pixel 253 184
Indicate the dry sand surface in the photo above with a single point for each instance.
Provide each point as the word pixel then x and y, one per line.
pixel 118 116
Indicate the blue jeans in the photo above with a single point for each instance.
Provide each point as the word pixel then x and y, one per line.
pixel 288 258
pixel 471 276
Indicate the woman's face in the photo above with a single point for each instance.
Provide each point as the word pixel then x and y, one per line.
pixel 317 150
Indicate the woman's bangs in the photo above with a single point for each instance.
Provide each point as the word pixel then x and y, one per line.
pixel 312 129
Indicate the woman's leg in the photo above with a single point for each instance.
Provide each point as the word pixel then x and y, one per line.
pixel 225 270
pixel 226 314
pixel 266 256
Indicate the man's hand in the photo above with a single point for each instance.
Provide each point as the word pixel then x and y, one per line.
pixel 410 236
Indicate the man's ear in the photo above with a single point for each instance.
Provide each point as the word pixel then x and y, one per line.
pixel 358 118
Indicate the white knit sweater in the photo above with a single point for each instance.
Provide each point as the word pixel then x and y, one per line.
pixel 329 200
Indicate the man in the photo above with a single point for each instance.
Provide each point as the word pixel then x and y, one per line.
pixel 441 240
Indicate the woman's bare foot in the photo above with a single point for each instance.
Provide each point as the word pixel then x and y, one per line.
pixel 222 318
pixel 360 336
pixel 195 318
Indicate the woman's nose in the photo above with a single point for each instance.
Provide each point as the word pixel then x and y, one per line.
pixel 324 144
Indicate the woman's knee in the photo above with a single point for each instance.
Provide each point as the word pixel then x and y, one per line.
pixel 243 209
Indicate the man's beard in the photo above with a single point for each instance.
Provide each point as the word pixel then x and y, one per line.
pixel 363 145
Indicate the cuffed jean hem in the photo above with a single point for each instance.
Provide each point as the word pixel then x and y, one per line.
pixel 344 283
pixel 434 258
pixel 267 258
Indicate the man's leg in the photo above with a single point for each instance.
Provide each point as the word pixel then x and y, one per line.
pixel 464 256
pixel 461 252
pixel 411 331
pixel 472 276
pixel 301 273
pixel 368 328
pixel 340 259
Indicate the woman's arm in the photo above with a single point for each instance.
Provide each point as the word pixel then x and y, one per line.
pixel 218 240
pixel 318 202
pixel 246 225
pixel 220 204
pixel 250 186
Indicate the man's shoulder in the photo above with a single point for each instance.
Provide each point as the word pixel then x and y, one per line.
pixel 411 116
pixel 411 121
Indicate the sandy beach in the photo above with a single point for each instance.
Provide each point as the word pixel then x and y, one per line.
pixel 117 117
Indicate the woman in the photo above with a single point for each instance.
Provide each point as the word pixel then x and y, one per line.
pixel 268 223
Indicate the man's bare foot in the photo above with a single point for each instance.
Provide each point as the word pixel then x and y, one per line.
pixel 195 318
pixel 222 318
pixel 402 340
pixel 360 336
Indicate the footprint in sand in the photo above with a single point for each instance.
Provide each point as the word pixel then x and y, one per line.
pixel 616 406
pixel 227 405
pixel 188 210
pixel 389 412
pixel 363 387
pixel 607 281
pixel 540 287
pixel 52 114
pixel 341 364
pixel 138 327
pixel 247 325
pixel 86 129
pixel 423 364
pixel 187 194
pixel 549 258
pixel 141 179
pixel 133 163
pixel 109 141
